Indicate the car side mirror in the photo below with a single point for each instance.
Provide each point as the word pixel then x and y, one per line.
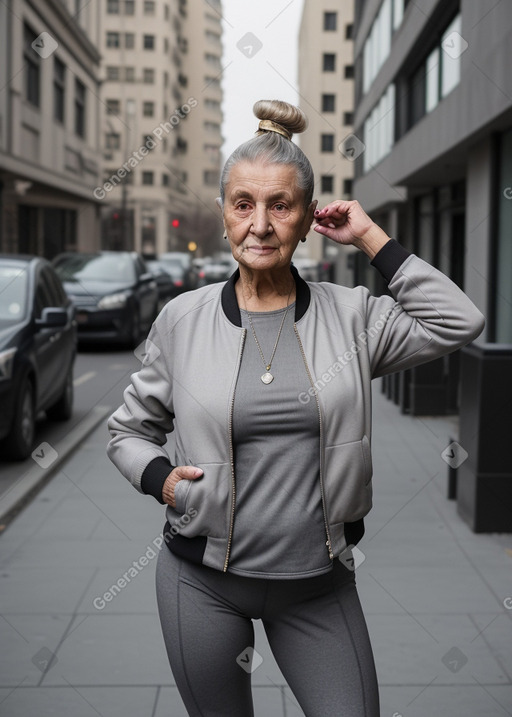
pixel 52 317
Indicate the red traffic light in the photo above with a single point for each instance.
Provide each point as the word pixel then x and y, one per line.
pixel 115 215
pixel 175 223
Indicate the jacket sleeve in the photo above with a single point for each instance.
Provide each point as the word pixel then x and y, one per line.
pixel 426 317
pixel 139 427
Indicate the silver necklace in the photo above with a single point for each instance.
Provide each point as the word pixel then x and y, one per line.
pixel 267 377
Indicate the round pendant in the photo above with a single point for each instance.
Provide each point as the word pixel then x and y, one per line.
pixel 267 377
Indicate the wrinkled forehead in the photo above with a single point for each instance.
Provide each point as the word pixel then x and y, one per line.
pixel 263 180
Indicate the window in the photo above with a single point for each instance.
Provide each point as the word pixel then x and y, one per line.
pixel 166 45
pixel 113 7
pixel 129 40
pixel 210 177
pixel 149 7
pixel 326 184
pixel 330 20
pixel 113 40
pixel 165 180
pixel 347 187
pixel 148 109
pixel 503 290
pixel 212 105
pixel 166 12
pixel 327 143
pixel 112 73
pixel 129 74
pixel 33 71
pixel 113 107
pixel 149 76
pixel 212 151
pixel 379 129
pixel 147 178
pixel 212 126
pixel 329 62
pixel 432 79
pixel 149 141
pixel 59 87
pixel 378 44
pixel 349 72
pixel 79 108
pixel 149 42
pixel 328 103
pixel 348 118
pixel 129 7
pixel 452 44
pixel 112 140
pixel 349 32
pixel 212 60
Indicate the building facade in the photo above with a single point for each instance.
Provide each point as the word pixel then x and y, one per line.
pixel 49 127
pixel 160 124
pixel 326 89
pixel 433 113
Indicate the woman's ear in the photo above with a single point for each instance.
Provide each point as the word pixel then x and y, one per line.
pixel 218 202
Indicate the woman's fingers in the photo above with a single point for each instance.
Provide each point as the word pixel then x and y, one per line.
pixel 178 473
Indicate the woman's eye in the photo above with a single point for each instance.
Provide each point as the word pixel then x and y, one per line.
pixel 280 207
pixel 243 206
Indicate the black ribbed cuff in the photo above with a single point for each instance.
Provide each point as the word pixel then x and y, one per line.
pixel 390 258
pixel 154 476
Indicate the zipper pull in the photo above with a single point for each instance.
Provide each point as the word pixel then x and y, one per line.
pixel 331 554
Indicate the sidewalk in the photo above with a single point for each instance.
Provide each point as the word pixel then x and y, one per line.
pixel 432 591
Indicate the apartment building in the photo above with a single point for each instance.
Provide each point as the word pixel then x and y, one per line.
pixel 433 113
pixel 160 123
pixel 326 89
pixel 49 127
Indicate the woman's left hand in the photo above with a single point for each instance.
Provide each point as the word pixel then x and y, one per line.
pixel 343 221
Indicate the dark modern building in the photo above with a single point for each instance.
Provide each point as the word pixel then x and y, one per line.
pixel 433 118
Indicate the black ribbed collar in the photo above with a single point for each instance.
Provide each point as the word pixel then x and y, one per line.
pixel 230 303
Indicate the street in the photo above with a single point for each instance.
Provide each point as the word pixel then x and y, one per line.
pixel 436 596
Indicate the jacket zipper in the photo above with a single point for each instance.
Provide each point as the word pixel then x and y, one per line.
pixel 231 456
pixel 326 523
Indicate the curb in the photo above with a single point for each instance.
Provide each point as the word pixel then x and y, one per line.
pixel 27 487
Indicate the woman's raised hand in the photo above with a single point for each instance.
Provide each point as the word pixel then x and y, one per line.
pixel 342 221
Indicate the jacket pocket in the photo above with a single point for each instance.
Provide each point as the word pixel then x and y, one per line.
pixel 347 480
pixel 206 500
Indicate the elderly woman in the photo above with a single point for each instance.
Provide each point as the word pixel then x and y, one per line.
pixel 265 382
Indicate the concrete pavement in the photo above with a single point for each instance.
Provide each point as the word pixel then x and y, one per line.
pixel 437 598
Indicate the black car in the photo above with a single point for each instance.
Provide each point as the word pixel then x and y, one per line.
pixel 169 280
pixel 37 350
pixel 115 296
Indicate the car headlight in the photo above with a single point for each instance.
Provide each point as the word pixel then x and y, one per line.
pixel 114 301
pixel 6 363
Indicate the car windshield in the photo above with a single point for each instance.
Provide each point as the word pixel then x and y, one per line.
pixel 172 267
pixel 96 267
pixel 13 294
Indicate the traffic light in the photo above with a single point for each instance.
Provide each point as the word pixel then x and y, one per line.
pixel 192 246
pixel 175 223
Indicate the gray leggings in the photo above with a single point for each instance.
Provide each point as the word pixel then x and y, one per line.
pixel 315 627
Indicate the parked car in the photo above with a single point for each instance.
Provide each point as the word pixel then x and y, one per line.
pixel 174 259
pixel 218 269
pixel 169 280
pixel 37 350
pixel 115 295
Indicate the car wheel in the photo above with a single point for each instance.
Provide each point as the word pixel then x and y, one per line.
pixel 135 330
pixel 62 410
pixel 18 444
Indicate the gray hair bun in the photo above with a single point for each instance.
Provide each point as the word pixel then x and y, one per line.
pixel 282 113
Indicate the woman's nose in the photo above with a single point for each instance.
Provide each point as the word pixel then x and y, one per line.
pixel 260 222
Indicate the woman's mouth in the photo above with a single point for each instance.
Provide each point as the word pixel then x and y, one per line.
pixel 261 250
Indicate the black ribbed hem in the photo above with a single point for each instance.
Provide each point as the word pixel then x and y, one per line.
pixel 354 531
pixel 154 476
pixel 390 258
pixel 189 548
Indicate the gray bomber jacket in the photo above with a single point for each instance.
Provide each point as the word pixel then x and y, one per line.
pixel 346 336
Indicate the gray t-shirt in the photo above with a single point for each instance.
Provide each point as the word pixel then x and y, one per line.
pixel 279 529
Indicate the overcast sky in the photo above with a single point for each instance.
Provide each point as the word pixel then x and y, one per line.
pixel 260 61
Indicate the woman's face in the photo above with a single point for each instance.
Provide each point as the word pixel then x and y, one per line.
pixel 264 214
